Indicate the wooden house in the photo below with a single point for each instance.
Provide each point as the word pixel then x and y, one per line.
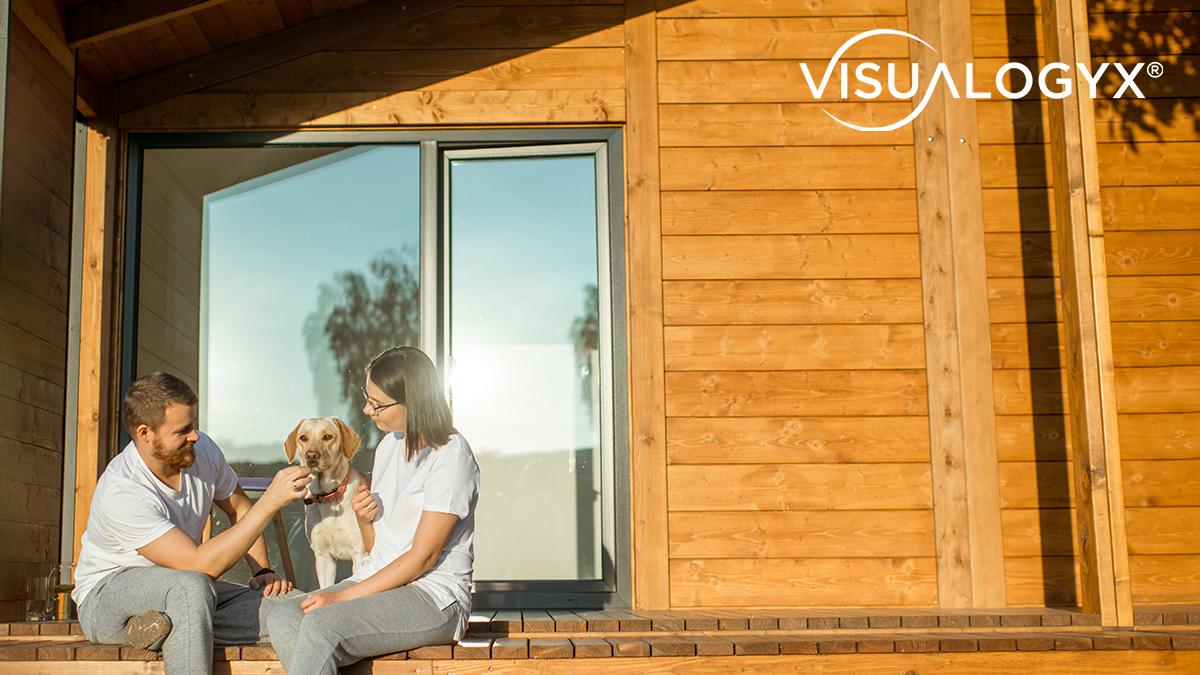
pixel 947 365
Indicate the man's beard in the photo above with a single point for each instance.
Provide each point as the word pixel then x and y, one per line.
pixel 180 459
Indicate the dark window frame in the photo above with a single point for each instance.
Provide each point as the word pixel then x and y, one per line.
pixel 615 589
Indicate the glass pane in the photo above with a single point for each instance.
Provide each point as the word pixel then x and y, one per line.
pixel 523 341
pixel 302 263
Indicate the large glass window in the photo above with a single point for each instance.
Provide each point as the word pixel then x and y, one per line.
pixel 268 276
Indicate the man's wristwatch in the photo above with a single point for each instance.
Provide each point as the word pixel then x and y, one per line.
pixel 265 570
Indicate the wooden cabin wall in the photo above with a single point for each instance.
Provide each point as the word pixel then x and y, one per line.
pixel 169 302
pixel 1025 314
pixel 490 62
pixel 1150 191
pixel 797 434
pixel 35 247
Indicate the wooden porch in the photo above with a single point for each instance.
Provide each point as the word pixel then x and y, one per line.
pixel 1164 639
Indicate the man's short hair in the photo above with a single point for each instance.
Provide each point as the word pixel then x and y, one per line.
pixel 148 399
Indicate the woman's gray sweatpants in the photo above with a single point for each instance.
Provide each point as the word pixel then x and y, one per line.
pixel 319 642
pixel 202 612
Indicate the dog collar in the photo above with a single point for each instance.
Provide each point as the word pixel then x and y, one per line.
pixel 328 496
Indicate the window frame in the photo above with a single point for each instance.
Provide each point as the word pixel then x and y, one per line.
pixel 615 588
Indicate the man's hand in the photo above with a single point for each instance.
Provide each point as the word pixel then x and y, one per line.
pixel 364 504
pixel 271 584
pixel 289 484
pixel 315 600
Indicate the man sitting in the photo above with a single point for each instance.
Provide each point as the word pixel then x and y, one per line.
pixel 144 578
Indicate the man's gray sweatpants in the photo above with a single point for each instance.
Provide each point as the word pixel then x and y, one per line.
pixel 202 612
pixel 337 635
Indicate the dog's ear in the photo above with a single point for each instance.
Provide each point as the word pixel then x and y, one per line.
pixel 289 446
pixel 350 438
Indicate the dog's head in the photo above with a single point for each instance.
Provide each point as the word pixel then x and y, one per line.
pixel 321 442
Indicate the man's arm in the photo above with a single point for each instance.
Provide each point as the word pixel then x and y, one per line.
pixel 236 506
pixel 176 550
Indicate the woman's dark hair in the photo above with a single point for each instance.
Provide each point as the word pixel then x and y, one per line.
pixel 407 375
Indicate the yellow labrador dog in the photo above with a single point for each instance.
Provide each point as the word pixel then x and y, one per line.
pixel 325 445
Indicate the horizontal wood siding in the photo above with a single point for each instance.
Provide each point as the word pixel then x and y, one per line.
pixel 1151 193
pixel 797 430
pixel 35 236
pixel 471 65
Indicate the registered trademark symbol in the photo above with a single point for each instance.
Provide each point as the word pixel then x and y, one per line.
pixel 1155 69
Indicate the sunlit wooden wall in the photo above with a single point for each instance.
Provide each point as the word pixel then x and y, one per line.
pixel 1150 190
pixel 797 434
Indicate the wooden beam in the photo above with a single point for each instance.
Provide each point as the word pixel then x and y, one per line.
pixel 87 95
pixel 89 456
pixel 962 418
pixel 643 237
pixel 1100 507
pixel 273 49
pixel 106 19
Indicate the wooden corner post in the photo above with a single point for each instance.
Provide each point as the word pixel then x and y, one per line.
pixel 958 354
pixel 1091 389
pixel 643 228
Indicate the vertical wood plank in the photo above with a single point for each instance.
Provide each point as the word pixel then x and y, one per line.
pixel 643 229
pixel 962 418
pixel 88 459
pixel 1104 567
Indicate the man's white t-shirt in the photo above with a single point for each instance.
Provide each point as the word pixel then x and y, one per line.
pixel 132 507
pixel 445 480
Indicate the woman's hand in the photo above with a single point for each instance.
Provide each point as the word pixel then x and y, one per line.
pixel 322 599
pixel 271 584
pixel 364 505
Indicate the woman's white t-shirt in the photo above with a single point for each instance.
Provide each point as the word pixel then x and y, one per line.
pixel 443 479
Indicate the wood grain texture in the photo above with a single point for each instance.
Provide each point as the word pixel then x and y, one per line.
pixel 647 406
pixel 1024 254
pixel 1166 298
pixel 776 8
pixel 1038 391
pixel 1027 345
pixel 804 487
pixel 528 27
pixel 1160 436
pixel 1036 485
pixel 1166 579
pixel 789 212
pixel 1158 390
pixel 807 440
pixel 1042 581
pixel 1152 252
pixel 1164 530
pixel 781 124
pixel 1149 344
pixel 1032 533
pixel 820 393
pixel 425 107
pixel 872 256
pixel 458 70
pixel 776 38
pixel 829 582
pixel 825 301
pixel 1018 210
pixel 1032 438
pixel 801 534
pixel 789 168
pixel 851 347
pixel 1162 483
pixel 1149 208
pixel 766 81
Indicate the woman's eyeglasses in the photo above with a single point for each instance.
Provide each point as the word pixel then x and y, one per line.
pixel 373 408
